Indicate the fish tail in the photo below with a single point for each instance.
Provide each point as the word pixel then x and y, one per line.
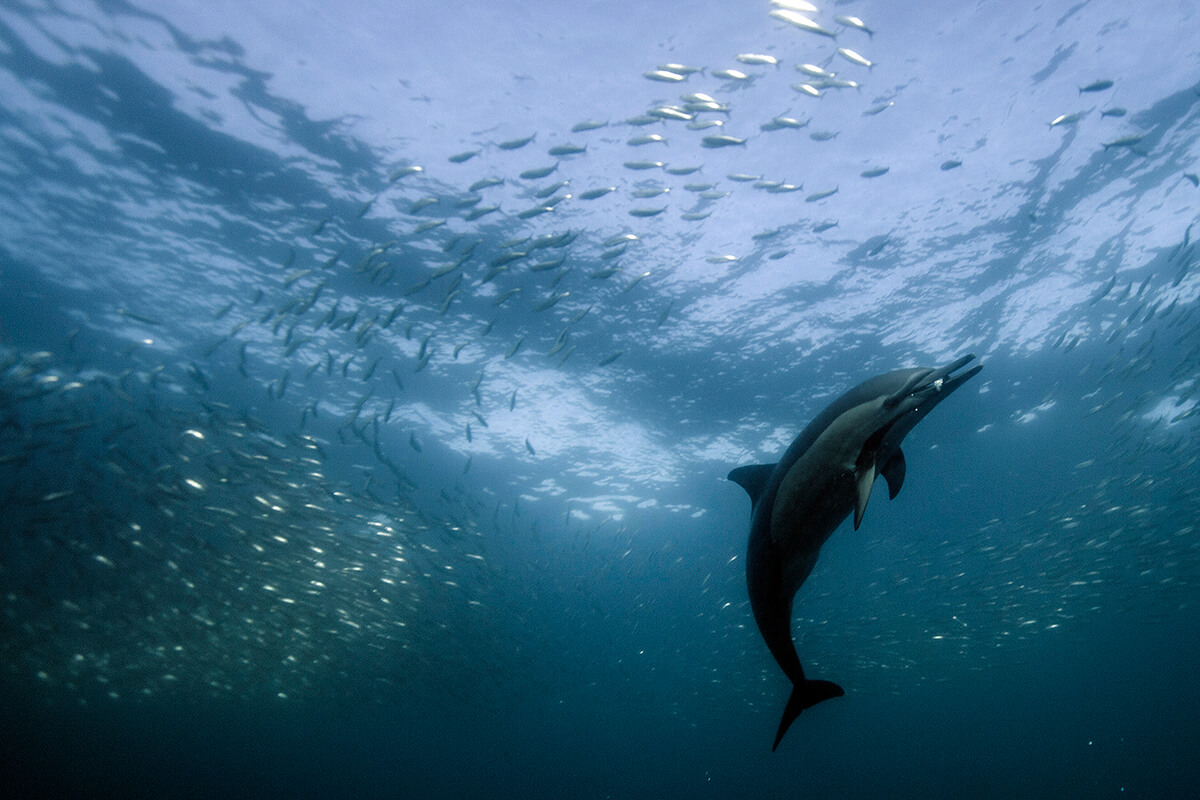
pixel 805 694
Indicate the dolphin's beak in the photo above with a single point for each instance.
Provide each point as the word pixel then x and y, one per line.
pixel 934 382
pixel 943 382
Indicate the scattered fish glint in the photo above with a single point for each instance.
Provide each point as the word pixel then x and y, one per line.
pixel 369 377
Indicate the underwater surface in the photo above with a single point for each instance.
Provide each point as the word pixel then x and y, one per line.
pixel 370 374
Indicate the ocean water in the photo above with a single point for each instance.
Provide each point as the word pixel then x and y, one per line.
pixel 370 373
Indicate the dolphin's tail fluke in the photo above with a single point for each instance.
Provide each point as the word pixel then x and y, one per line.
pixel 805 694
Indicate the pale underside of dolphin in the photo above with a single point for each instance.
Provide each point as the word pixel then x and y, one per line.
pixel 824 475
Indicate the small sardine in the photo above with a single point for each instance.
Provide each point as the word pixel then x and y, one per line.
pixel 800 21
pixel 803 6
pixel 485 183
pixel 649 138
pixel 664 76
pixel 853 22
pixel 720 140
pixel 1067 119
pixel 404 172
pixel 854 58
pixel 550 301
pixel 680 69
pixel 757 59
pixel 671 112
pixel 814 71
pixel 815 196
pixel 516 144
pixel 1124 141
pixel 539 172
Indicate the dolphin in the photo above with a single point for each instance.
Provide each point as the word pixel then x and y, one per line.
pixel 824 475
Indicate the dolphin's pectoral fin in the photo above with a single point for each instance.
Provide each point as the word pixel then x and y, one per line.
pixel 893 472
pixel 864 477
pixel 753 479
pixel 805 694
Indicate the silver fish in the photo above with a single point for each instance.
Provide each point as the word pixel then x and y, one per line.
pixel 800 21
pixel 720 140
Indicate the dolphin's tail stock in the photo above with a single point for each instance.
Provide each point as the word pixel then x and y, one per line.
pixel 805 694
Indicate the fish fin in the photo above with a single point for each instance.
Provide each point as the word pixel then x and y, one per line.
pixel 864 477
pixel 805 694
pixel 893 472
pixel 753 479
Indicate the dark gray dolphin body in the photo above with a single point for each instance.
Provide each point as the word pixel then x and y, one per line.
pixel 826 473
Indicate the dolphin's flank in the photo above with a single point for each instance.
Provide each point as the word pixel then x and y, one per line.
pixel 824 475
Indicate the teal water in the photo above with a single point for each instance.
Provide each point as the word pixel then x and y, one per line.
pixel 355 443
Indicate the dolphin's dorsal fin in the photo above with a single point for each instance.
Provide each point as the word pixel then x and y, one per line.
pixel 753 479
pixel 893 472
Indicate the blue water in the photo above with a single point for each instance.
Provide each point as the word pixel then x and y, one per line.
pixel 355 443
